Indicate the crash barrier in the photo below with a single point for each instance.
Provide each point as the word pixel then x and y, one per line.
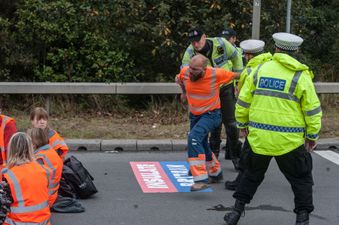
pixel 133 145
pixel 52 88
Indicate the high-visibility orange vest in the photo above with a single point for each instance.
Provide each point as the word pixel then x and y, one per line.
pixel 54 163
pixel 28 184
pixel 5 120
pixel 203 94
pixel 57 143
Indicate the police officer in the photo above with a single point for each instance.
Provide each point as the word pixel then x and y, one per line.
pixel 282 86
pixel 219 52
pixel 254 55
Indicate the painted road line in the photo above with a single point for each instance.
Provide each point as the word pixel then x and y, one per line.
pixel 152 178
pixel 178 173
pixel 329 155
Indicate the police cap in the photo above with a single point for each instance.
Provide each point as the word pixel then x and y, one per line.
pixel 287 41
pixel 252 46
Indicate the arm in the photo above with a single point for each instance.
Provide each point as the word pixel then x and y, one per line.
pixel 244 103
pixel 311 108
pixel 187 56
pixel 235 57
pixel 183 98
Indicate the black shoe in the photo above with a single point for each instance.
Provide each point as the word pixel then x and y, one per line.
pixel 232 218
pixel 303 218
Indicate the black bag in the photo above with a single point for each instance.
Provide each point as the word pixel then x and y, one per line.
pixel 77 176
pixel 65 189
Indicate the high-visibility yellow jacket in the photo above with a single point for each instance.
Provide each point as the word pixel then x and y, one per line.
pixel 251 65
pixel 222 52
pixel 279 105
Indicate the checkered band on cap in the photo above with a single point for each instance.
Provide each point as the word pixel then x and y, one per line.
pixel 287 41
pixel 252 46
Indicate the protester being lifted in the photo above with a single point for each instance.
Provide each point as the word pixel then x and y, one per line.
pixel 254 54
pixel 200 85
pixel 7 129
pixel 219 52
pixel 280 110
pixel 28 184
pixel 39 119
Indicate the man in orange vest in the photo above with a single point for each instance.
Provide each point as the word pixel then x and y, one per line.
pixel 200 85
pixel 7 129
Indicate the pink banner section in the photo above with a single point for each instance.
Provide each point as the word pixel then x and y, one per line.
pixel 152 178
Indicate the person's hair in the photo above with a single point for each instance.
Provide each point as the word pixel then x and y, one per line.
pixel 38 113
pixel 39 136
pixel 20 150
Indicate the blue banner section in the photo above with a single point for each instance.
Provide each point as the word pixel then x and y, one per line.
pixel 177 172
pixel 272 83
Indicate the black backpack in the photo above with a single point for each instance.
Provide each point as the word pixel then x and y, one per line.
pixel 77 176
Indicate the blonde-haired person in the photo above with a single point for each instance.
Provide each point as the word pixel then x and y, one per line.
pixel 48 157
pixel 39 119
pixel 28 183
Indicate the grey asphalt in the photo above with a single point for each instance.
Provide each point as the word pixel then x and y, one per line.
pixel 120 200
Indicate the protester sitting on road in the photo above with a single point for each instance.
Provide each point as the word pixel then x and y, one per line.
pixel 7 129
pixel 47 156
pixel 28 184
pixel 39 119
pixel 200 86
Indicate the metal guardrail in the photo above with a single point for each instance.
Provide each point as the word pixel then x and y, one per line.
pixel 115 88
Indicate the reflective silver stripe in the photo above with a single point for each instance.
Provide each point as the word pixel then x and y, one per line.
pixel 202 109
pixel 294 82
pixel 234 54
pixel 223 45
pixel 33 208
pixel 276 94
pixel 243 104
pixel 12 222
pixel 190 52
pixel 48 174
pixel 212 84
pixel 54 185
pixel 21 208
pixel 197 162
pixel 255 76
pixel 314 111
pixel 51 133
pixel 45 147
pixel 52 192
pixel 249 70
pixel 57 142
pixel 49 164
pixel 200 177
pixel 3 126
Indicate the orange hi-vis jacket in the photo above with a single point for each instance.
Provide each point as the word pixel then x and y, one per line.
pixel 203 94
pixel 5 120
pixel 28 184
pixel 53 165
pixel 57 143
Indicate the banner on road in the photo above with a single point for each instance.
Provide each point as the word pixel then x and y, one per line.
pixel 163 177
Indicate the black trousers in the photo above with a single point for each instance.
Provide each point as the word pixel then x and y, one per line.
pixel 227 101
pixel 296 167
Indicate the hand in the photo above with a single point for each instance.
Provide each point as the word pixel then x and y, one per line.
pixel 243 132
pixel 310 145
pixel 183 100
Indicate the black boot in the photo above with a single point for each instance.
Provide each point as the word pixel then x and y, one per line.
pixel 232 185
pixel 302 218
pixel 235 162
pixel 233 217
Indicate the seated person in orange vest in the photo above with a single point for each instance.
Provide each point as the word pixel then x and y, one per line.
pixel 39 119
pixel 28 183
pixel 48 157
pixel 200 86
pixel 7 129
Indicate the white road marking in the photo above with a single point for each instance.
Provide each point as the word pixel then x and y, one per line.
pixel 329 155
